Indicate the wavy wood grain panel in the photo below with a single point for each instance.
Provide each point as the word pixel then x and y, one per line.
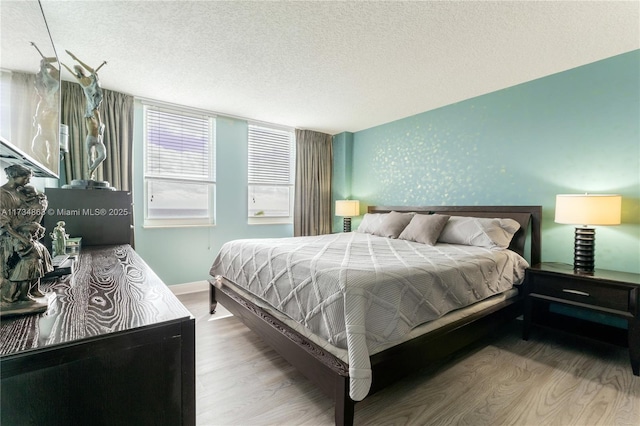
pixel 110 290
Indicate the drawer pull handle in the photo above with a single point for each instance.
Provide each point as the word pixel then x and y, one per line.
pixel 578 292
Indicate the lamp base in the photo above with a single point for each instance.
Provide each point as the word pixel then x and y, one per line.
pixel 346 224
pixel 584 250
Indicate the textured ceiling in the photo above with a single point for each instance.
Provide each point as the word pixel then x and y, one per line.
pixel 326 66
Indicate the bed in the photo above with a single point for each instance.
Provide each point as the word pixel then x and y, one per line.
pixel 335 323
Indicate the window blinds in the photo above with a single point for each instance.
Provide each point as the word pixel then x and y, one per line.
pixel 271 154
pixel 178 145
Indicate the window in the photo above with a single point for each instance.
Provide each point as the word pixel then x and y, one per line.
pixel 179 167
pixel 271 174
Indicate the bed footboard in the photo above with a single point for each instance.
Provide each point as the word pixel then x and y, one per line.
pixel 213 302
pixel 329 373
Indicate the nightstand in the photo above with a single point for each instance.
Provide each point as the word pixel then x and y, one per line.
pixel 552 287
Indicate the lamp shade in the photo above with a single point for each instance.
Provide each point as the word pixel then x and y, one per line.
pixel 588 209
pixel 347 208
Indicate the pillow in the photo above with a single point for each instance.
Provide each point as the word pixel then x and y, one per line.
pixel 481 232
pixel 371 222
pixel 425 228
pixel 392 225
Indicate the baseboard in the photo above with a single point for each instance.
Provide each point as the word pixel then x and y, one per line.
pixel 186 288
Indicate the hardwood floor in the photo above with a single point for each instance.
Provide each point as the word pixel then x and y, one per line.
pixel 552 379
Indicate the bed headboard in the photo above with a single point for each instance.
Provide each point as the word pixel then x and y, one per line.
pixel 529 218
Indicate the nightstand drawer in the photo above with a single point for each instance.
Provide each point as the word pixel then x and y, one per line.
pixel 594 294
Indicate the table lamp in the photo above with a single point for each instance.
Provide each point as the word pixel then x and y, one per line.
pixel 347 209
pixel 587 210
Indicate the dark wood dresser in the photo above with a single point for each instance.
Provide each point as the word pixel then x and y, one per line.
pixel 115 347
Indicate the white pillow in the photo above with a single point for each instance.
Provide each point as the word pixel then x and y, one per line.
pixel 371 222
pixel 481 232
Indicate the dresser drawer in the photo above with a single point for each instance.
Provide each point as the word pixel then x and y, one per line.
pixel 596 294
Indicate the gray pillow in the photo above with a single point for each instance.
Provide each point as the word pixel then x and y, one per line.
pixel 481 232
pixel 393 224
pixel 425 228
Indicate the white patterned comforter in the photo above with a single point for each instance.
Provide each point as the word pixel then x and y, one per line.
pixel 359 291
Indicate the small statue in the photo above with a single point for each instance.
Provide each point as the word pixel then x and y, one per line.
pixel 33 263
pixel 59 237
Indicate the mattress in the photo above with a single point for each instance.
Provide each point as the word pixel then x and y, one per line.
pixel 342 353
pixel 361 292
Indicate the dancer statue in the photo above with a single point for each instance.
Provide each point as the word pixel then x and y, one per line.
pixel 95 128
pixel 45 119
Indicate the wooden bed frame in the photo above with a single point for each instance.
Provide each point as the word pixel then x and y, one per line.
pixel 332 374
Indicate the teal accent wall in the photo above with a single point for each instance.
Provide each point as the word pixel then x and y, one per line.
pixel 185 254
pixel 573 132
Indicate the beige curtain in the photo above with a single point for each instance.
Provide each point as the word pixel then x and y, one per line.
pixel 314 163
pixel 117 116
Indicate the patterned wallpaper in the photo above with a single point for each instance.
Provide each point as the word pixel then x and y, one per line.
pixel 573 132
